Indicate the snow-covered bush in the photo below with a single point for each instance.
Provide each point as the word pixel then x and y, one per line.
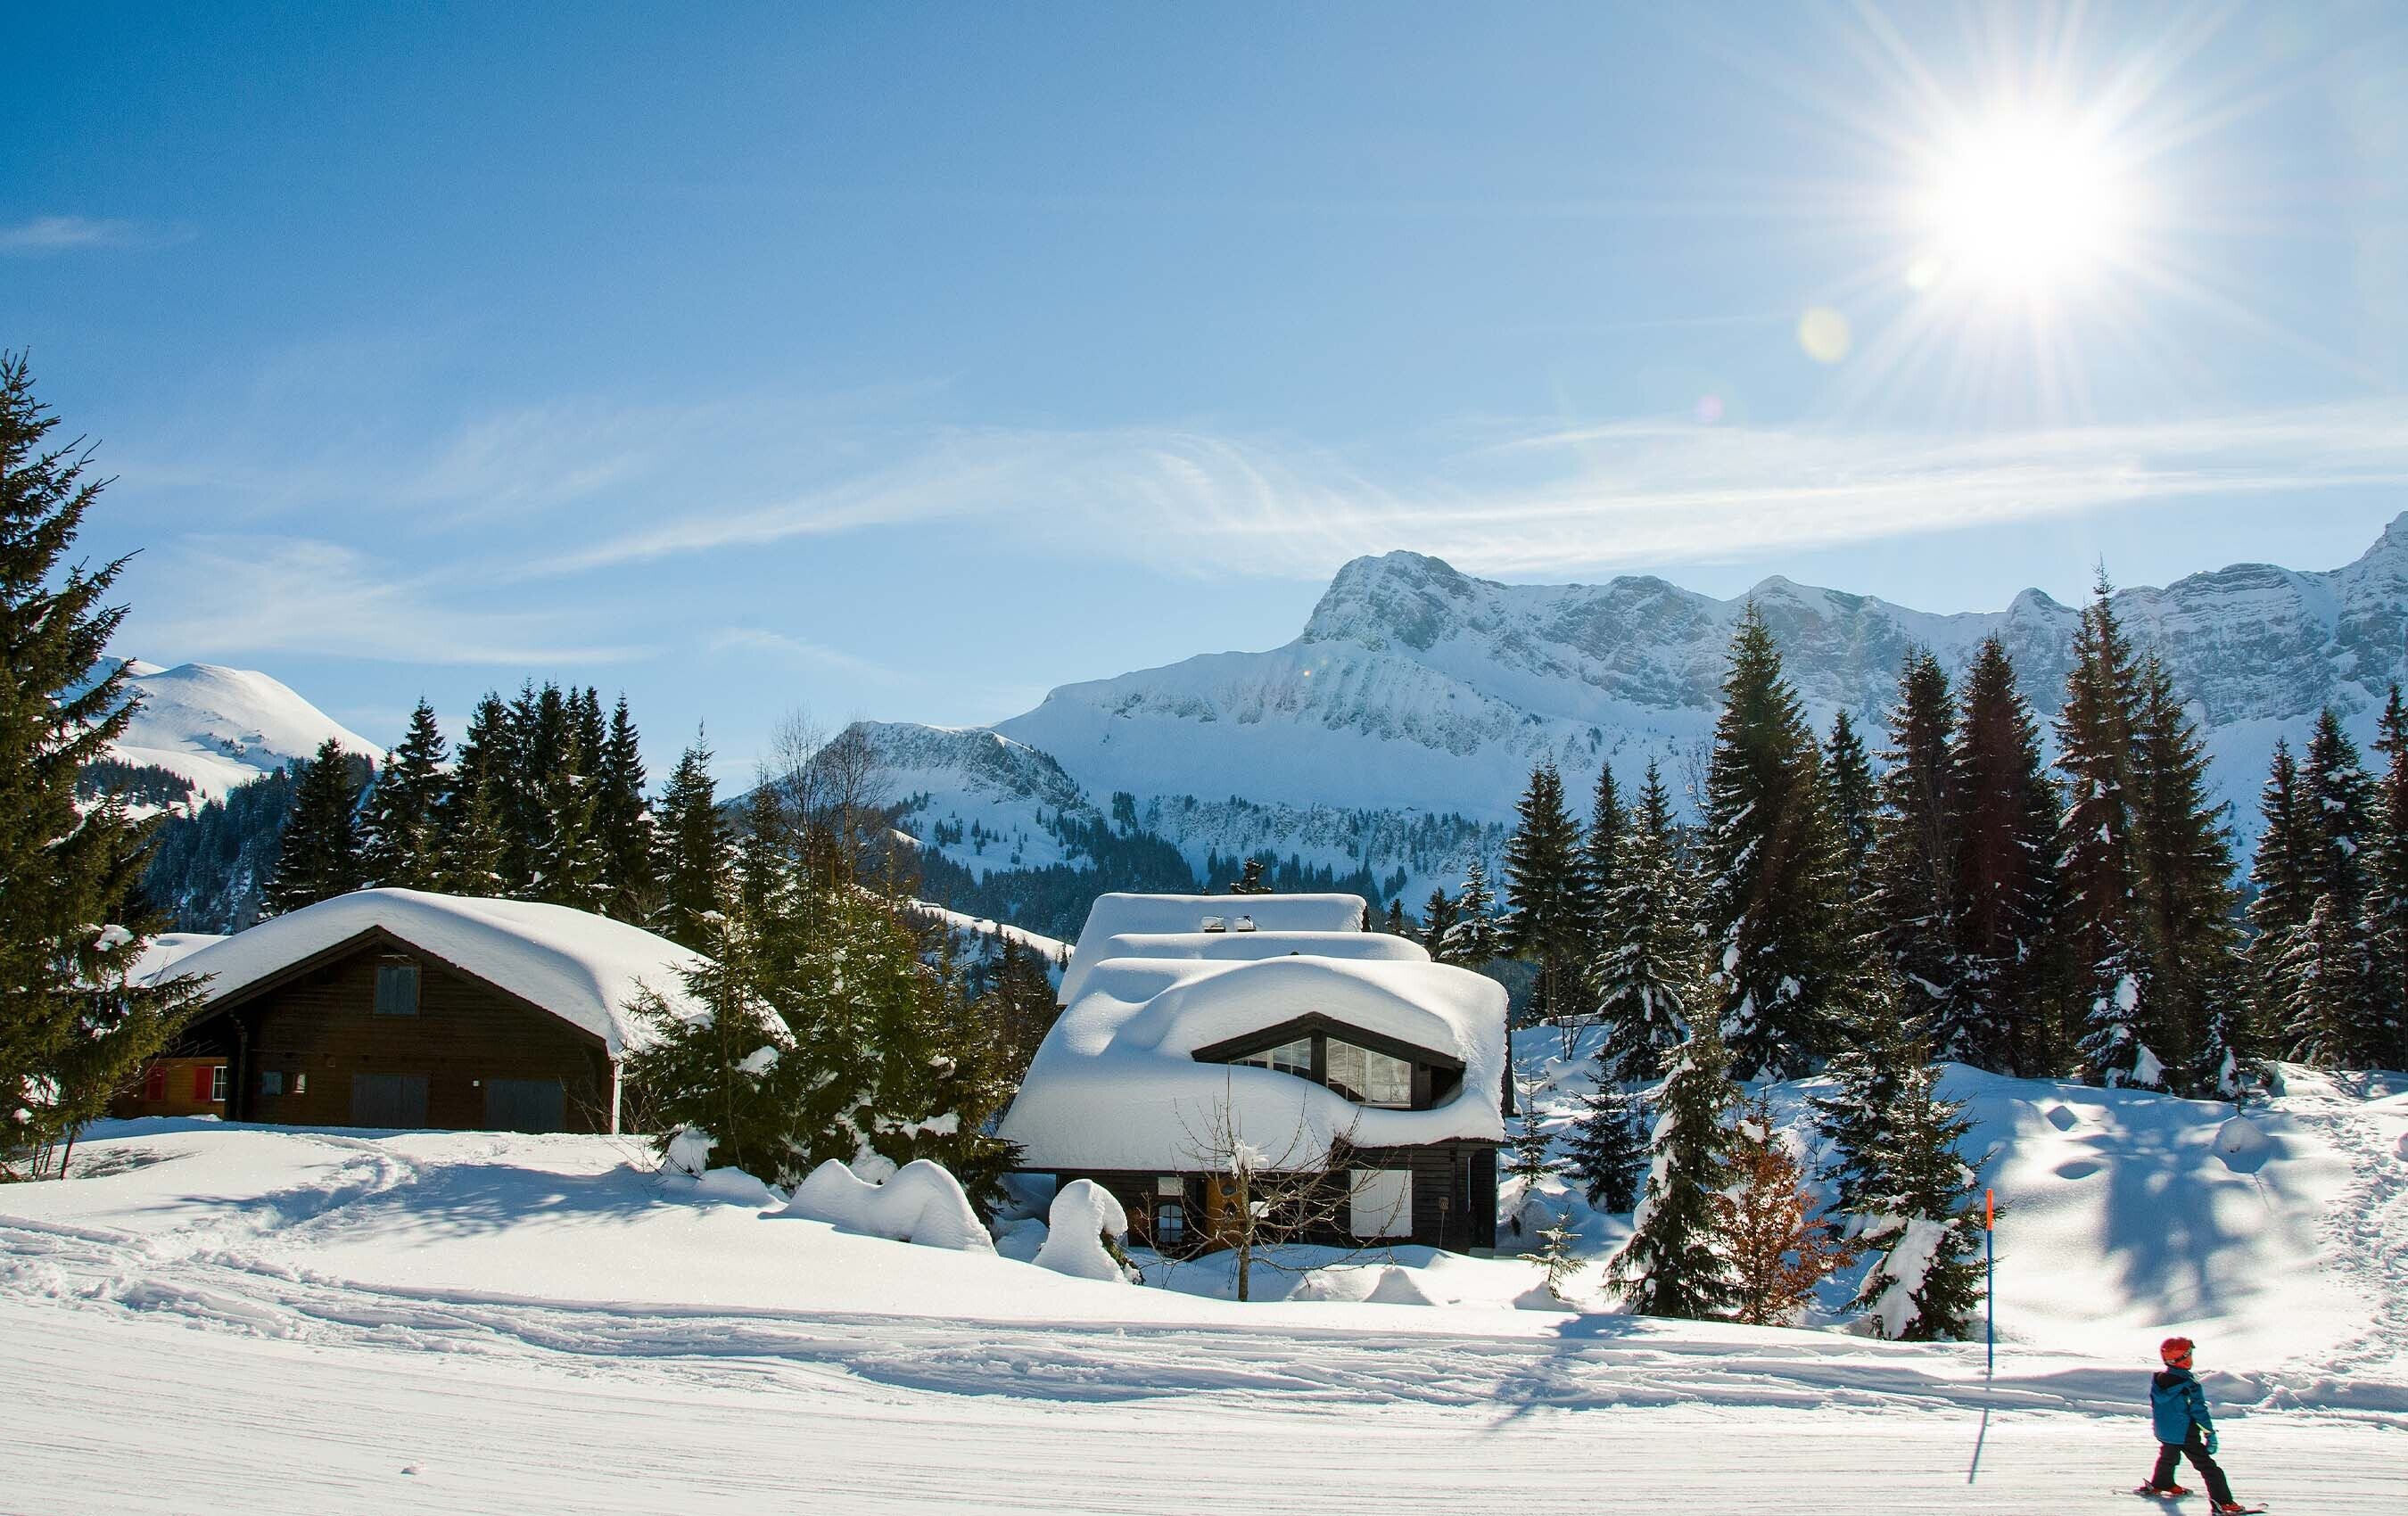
pixel 923 1203
pixel 1084 1214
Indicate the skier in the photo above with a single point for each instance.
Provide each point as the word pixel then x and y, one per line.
pixel 2179 1407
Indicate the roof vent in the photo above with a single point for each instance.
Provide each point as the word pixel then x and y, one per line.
pixel 1245 923
pixel 1214 924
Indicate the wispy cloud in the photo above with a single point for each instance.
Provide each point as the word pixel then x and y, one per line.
pixel 757 642
pixel 240 595
pixel 44 235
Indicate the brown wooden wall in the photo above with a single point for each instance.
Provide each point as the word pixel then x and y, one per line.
pixel 1454 1194
pixel 324 1025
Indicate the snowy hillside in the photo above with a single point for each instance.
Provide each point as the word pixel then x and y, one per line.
pixel 471 1321
pixel 1415 691
pixel 220 728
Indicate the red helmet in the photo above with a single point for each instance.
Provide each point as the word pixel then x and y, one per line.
pixel 2176 1351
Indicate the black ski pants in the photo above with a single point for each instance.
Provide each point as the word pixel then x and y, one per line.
pixel 2194 1447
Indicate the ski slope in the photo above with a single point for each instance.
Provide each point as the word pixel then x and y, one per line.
pixel 269 1320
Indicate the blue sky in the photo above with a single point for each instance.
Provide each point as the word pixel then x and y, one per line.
pixel 904 362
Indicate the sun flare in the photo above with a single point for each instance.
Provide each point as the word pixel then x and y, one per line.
pixel 2025 204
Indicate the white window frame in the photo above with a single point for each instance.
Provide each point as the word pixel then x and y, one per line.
pixel 1382 1203
pixel 217 1083
pixel 1362 1087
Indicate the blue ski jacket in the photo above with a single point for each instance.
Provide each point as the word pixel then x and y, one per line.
pixel 2176 1403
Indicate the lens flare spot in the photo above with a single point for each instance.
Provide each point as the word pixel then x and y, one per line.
pixel 1824 334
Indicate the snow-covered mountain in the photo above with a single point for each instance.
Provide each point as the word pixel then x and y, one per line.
pixel 220 728
pixel 1415 691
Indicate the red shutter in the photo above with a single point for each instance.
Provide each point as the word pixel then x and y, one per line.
pixel 201 1090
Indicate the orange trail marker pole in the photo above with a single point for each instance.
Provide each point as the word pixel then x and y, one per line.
pixel 1990 1279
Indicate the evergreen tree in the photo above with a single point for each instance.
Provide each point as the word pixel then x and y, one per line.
pixel 2387 872
pixel 1555 1255
pixel 1648 976
pixel 72 1028
pixel 2326 969
pixel 1547 925
pixel 2098 924
pixel 2284 900
pixel 1437 926
pixel 1914 859
pixel 1394 922
pixel 1600 854
pixel 1870 1078
pixel 1674 1264
pixel 401 838
pixel 1249 880
pixel 1532 1158
pixel 1779 1249
pixel 2188 930
pixel 1921 1215
pixel 1849 794
pixel 695 865
pixel 1473 939
pixel 320 858
pixel 765 867
pixel 1771 868
pixel 2005 833
pixel 731 1076
pixel 474 816
pixel 1019 1005
pixel 1606 1149
pixel 631 891
pixel 566 852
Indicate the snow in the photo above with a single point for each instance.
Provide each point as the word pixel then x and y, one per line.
pixel 528 1321
pixel 588 970
pixel 1119 914
pixel 1115 1084
pixel 222 727
pixel 923 1203
pixel 1050 951
pixel 1083 1214
pixel 166 951
pixel 1236 946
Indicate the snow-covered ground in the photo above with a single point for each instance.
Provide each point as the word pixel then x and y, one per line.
pixel 246 1319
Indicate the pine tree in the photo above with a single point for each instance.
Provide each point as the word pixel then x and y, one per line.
pixel 1850 796
pixel 1474 939
pixel 1249 880
pixel 1547 924
pixel 2283 899
pixel 1555 1255
pixel 2387 873
pixel 1437 926
pixel 1393 924
pixel 622 826
pixel 1920 1215
pixel 1914 858
pixel 2185 888
pixel 72 1029
pixel 1600 854
pixel 695 865
pixel 474 817
pixel 1533 1157
pixel 320 856
pixel 1019 1005
pixel 1870 1078
pixel 1605 1152
pixel 2098 924
pixel 765 866
pixel 2336 802
pixel 1649 980
pixel 2005 831
pixel 566 852
pixel 1771 868
pixel 1674 1264
pixel 1779 1248
pixel 401 838
pixel 2326 969
pixel 731 1074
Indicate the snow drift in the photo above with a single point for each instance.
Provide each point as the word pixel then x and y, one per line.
pixel 1083 1214
pixel 923 1203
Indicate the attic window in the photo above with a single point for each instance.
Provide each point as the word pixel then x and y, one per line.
pixel 397 990
pixel 1245 923
pixel 1214 924
pixel 1287 1058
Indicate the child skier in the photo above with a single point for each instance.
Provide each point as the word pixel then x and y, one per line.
pixel 2179 1407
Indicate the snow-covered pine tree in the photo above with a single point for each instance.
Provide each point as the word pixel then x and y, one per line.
pixel 1437 926
pixel 1869 1076
pixel 1017 1006
pixel 1780 1247
pixel 1923 1217
pixel 1532 1156
pixel 732 1074
pixel 1914 858
pixel 565 849
pixel 2326 969
pixel 319 855
pixel 2185 896
pixel 401 841
pixel 476 847
pixel 72 1030
pixel 631 891
pixel 1609 822
pixel 2386 874
pixel 1849 794
pixel 1648 976
pixel 696 853
pixel 2348 1027
pixel 1605 1149
pixel 2281 901
pixel 1251 878
pixel 1770 866
pixel 2097 923
pixel 1555 1254
pixel 1546 924
pixel 2005 827
pixel 1473 938
pixel 1675 1263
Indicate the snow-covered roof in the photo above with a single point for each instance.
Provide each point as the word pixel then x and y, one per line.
pixel 1117 1084
pixel 1117 915
pixel 1349 943
pixel 586 969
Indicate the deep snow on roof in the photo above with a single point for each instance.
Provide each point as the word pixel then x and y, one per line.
pixel 586 969
pixel 1372 946
pixel 1117 914
pixel 1116 1085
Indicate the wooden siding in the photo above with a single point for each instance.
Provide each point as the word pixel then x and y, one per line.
pixel 322 1028
pixel 1455 1197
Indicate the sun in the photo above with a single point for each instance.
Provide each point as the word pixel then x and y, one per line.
pixel 2023 203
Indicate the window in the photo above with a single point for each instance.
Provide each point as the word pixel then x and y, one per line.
pixel 218 1083
pixel 1169 1223
pixel 1383 1203
pixel 1287 1058
pixel 155 1084
pixel 271 1081
pixel 397 990
pixel 1170 1184
pixel 300 1084
pixel 1372 1078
